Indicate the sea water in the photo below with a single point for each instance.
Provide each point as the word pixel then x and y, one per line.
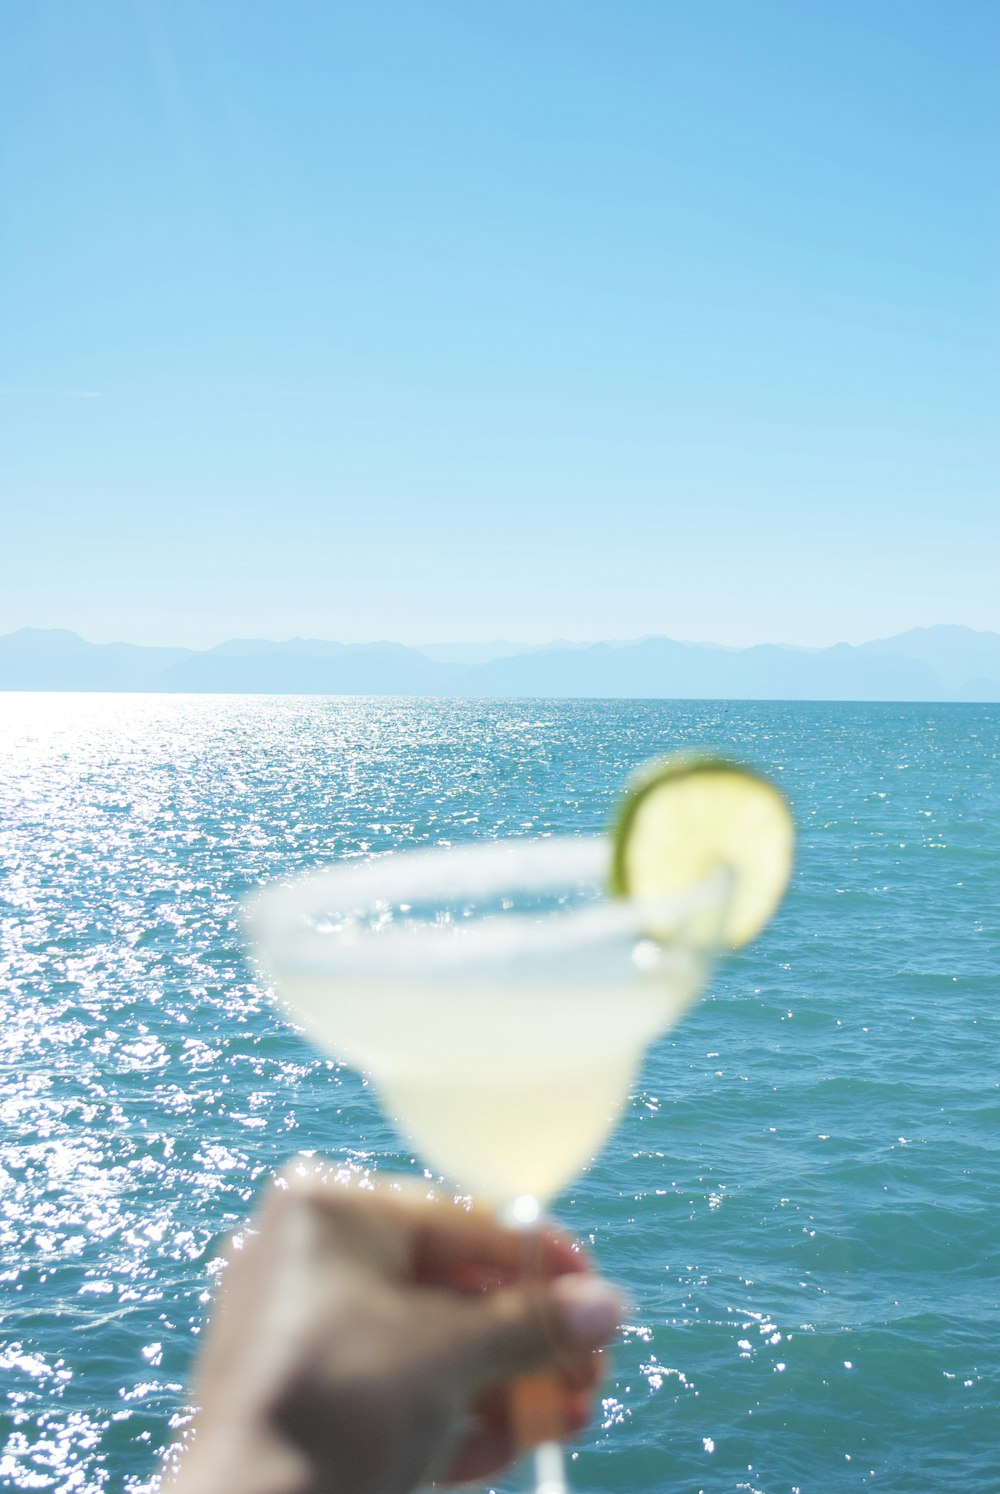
pixel 802 1199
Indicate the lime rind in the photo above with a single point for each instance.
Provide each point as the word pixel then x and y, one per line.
pixel 685 818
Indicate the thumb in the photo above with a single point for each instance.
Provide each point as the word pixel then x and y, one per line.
pixel 518 1329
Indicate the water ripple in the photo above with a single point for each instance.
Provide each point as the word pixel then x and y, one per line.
pixel 802 1200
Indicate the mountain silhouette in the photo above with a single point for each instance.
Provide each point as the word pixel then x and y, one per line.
pixel 56 659
pixel 941 663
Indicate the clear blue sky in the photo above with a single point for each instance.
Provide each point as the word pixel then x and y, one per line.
pixel 448 320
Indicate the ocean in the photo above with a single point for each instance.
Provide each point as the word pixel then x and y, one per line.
pixel 802 1201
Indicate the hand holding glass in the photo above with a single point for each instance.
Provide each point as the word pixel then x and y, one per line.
pixel 499 1002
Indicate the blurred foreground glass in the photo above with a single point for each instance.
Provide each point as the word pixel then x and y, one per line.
pixel 498 1000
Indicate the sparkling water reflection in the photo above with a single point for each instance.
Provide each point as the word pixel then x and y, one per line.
pixel 803 1197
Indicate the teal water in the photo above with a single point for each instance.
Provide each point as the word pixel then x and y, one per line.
pixel 802 1201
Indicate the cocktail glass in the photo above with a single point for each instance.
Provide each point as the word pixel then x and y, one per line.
pixel 497 999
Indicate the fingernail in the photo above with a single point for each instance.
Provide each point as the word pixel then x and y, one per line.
pixel 591 1309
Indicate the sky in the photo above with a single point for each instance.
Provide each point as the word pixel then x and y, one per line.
pixel 443 321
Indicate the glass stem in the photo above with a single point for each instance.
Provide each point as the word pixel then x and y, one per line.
pixel 547 1462
pixel 550 1469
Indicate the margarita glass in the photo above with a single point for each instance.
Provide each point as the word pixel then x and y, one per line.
pixel 497 999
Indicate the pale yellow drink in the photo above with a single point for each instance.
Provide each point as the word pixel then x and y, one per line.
pixel 505 1092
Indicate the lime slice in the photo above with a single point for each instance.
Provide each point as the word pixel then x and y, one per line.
pixel 685 818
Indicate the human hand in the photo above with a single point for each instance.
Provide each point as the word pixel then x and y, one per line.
pixel 365 1342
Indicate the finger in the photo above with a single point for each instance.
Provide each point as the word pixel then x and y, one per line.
pixel 447 1235
pixel 490 1445
pixel 452 1244
pixel 584 1372
pixel 487 1449
pixel 577 1410
pixel 492 1405
pixel 516 1330
pixel 537 1409
pixel 449 1241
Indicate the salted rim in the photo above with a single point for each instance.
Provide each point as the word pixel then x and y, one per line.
pixel 294 924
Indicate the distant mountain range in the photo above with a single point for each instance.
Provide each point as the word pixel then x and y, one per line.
pixel 940 664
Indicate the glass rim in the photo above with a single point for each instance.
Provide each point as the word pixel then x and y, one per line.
pixel 294 928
